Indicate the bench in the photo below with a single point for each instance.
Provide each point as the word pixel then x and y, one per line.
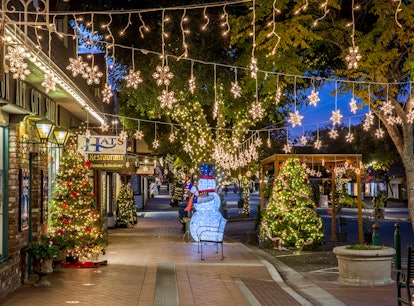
pixel 213 234
pixel 405 279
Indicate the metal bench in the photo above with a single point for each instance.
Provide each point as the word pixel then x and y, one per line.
pixel 213 234
pixel 405 279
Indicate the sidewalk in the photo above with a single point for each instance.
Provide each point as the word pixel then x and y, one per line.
pixel 151 264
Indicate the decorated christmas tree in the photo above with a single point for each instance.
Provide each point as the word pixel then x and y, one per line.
pixel 74 218
pixel 291 219
pixel 126 212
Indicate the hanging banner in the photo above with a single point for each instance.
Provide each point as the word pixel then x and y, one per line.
pixel 103 144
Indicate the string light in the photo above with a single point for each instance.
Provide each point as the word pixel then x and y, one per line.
pixel 205 16
pixel 192 81
pixel 323 6
pixel 183 33
pixel 143 27
pixel 397 10
pixel 278 94
pixel 225 23
pixel 107 93
pixel 353 57
pixel 273 32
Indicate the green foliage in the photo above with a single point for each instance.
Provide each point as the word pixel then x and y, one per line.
pixel 42 249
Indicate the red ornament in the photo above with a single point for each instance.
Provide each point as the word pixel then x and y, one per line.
pixel 88 229
pixel 73 193
pixel 68 184
pixel 64 205
pixel 305 179
pixel 91 194
pixel 88 164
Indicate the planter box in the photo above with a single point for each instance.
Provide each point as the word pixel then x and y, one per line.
pixel 364 267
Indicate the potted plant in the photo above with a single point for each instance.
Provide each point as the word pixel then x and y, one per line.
pixel 42 254
pixel 63 241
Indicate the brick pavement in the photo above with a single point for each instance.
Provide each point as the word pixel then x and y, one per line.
pixel 247 275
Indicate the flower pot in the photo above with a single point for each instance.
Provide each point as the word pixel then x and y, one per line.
pixel 59 259
pixel 42 267
pixel 367 267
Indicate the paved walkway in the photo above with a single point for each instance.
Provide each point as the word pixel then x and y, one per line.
pixel 151 264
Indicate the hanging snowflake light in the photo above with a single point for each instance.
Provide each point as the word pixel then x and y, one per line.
pixel 92 75
pixel 192 84
pixel 390 120
pixel 353 105
pixel 188 147
pixel 77 66
pixel 353 57
pixel 107 94
pixel 155 144
pixel 256 111
pixel 139 134
pixel 278 95
pixel 387 108
pixel 104 127
pixel 317 144
pixel 15 56
pixel 303 140
pixel 379 133
pixel 167 99
pixel 369 121
pixel 20 71
pixel 336 117
pixel 88 133
pixel 398 120
pixel 49 83
pixel 287 148
pixel 202 142
pixel 314 97
pixel 235 89
pixel 295 118
pixel 269 143
pixel 163 75
pixel 410 116
pixel 349 137
pixel 236 142
pixel 123 135
pixel 258 142
pixel 133 79
pixel 253 68
pixel 172 137
pixel 333 134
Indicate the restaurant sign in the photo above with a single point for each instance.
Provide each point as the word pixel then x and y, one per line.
pixel 107 162
pixel 103 144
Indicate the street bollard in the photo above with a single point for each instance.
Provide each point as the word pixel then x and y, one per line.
pixel 397 247
pixel 375 235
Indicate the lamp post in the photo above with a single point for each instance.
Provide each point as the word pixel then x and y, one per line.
pixel 44 128
pixel 60 135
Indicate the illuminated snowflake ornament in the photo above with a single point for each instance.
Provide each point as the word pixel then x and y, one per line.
pixel 314 98
pixel 123 135
pixel 167 99
pixel 192 84
pixel 88 134
pixel 172 137
pixel 353 57
pixel 15 56
pixel 368 122
pixel 235 89
pixel 256 111
pixel 188 147
pixel 278 95
pixel 163 75
pixel 336 117
pixel 92 75
pixel 139 134
pixel 49 83
pixel 379 133
pixel 202 142
pixel 333 134
pixel 295 118
pixel 77 66
pixel 349 137
pixel 107 94
pixel 104 127
pixel 133 79
pixel 20 71
pixel 236 142
pixel 303 140
pixel 317 144
pixel 155 144
pixel 287 148
pixel 387 108
pixel 253 68
pixel 353 105
pixel 269 143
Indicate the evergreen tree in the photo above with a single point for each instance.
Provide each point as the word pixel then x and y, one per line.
pixel 291 218
pixel 126 212
pixel 74 216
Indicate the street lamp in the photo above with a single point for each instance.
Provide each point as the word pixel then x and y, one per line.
pixel 60 135
pixel 44 127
